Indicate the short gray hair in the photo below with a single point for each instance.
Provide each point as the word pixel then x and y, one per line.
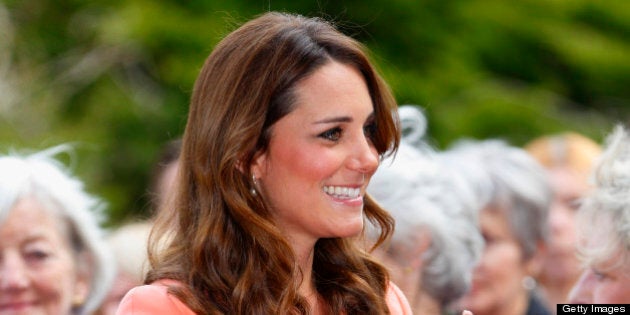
pixel 604 216
pixel 421 194
pixel 42 177
pixel 508 178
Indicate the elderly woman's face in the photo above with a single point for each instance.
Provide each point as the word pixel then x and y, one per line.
pixel 561 264
pixel 497 279
pixel 37 267
pixel 597 286
pixel 606 276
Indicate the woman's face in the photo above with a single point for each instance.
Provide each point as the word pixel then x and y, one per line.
pixel 497 279
pixel 602 285
pixel 320 157
pixel 38 274
pixel 561 264
pixel 603 281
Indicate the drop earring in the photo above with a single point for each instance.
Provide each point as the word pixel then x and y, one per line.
pixel 254 183
pixel 77 301
pixel 529 283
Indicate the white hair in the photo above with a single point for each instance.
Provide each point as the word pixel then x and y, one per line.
pixel 508 178
pixel 423 195
pixel 414 124
pixel 604 216
pixel 43 178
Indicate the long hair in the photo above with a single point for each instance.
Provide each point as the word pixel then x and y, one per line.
pixel 220 241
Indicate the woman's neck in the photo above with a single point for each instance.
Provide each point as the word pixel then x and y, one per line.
pixel 304 256
pixel 555 293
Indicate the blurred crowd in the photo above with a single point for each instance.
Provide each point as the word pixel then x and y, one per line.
pixel 299 186
pixel 482 225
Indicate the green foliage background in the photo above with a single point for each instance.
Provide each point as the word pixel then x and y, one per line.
pixel 114 77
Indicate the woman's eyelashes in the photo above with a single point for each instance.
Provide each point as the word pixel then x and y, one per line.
pixel 370 130
pixel 333 134
pixel 574 203
pixel 37 256
pixel 600 276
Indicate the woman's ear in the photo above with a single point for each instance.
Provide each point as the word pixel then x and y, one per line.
pixel 422 244
pixel 80 294
pixel 83 281
pixel 259 165
pixel 411 255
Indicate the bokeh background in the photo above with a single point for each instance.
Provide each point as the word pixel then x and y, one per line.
pixel 114 77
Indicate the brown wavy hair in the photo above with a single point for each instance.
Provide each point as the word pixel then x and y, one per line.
pixel 219 240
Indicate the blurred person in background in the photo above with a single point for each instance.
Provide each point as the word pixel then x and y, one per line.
pixel 515 197
pixel 437 241
pixel 128 244
pixel 568 159
pixel 163 175
pixel 129 241
pixel 53 259
pixel 604 228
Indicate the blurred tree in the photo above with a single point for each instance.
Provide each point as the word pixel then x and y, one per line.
pixel 115 76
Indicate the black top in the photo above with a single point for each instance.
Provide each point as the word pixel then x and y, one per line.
pixel 536 306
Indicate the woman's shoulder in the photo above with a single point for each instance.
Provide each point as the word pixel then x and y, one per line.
pixel 155 299
pixel 396 301
pixel 152 299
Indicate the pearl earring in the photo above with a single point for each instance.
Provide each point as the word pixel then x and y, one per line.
pixel 254 183
pixel 528 283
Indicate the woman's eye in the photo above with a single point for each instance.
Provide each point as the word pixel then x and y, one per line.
pixel 331 134
pixel 600 276
pixel 37 255
pixel 487 238
pixel 574 204
pixel 370 130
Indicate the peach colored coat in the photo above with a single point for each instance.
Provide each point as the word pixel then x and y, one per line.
pixel 154 299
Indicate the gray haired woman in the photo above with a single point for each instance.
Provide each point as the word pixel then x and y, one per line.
pixel 515 196
pixel 604 228
pixel 52 257
pixel 436 241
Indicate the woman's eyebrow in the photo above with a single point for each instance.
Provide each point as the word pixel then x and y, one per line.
pixel 339 119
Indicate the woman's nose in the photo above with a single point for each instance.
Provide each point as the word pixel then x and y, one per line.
pixel 582 290
pixel 13 273
pixel 365 158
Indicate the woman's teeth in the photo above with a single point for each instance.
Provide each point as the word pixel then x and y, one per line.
pixel 342 192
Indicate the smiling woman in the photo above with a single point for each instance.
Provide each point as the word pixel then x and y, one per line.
pixel 53 260
pixel 327 161
pixel 287 123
